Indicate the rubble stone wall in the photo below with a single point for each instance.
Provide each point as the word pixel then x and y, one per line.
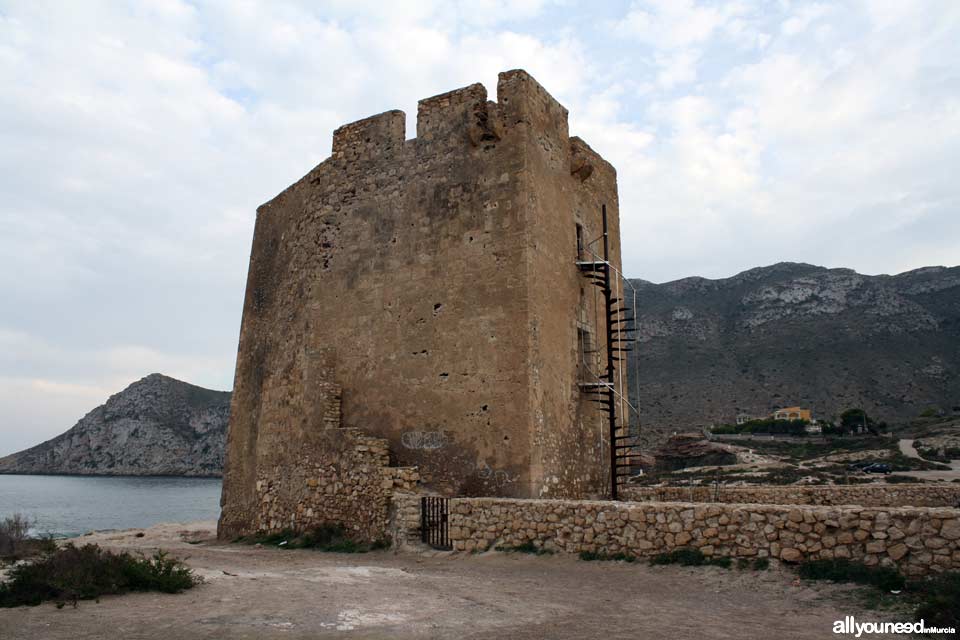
pixel 347 482
pixel 866 495
pixel 917 541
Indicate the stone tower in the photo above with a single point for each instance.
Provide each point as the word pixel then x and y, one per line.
pixel 424 294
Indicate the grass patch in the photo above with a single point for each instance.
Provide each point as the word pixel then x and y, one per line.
pixel 73 573
pixel 753 564
pixel 899 479
pixel 936 600
pixel 689 557
pixel 900 462
pixel 845 571
pixel 798 451
pixel 591 556
pixel 331 537
pixel 526 547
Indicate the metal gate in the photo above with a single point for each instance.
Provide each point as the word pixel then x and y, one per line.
pixel 433 522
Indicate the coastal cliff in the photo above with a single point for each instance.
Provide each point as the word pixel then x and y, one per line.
pixel 156 426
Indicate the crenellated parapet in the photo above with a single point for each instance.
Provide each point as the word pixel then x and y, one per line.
pixel 376 136
pixel 463 117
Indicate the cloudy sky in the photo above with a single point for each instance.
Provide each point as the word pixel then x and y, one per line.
pixel 137 139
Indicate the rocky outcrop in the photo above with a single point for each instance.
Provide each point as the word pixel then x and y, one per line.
pixel 796 334
pixel 156 426
pixel 692 450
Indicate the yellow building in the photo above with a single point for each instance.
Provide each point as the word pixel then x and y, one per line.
pixel 792 413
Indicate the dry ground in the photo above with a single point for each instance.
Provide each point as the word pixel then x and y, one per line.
pixel 258 593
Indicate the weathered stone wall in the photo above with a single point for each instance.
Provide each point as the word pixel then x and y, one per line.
pixel 411 273
pixel 915 540
pixel 311 472
pixel 867 495
pixel 345 481
pixel 404 529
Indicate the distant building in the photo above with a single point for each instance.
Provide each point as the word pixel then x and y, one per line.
pixel 743 418
pixel 792 413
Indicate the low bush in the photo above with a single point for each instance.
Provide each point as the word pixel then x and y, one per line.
pixel 73 573
pixel 900 462
pixel 604 557
pixel 690 557
pixel 17 543
pixel 331 537
pixel 526 547
pixel 899 479
pixel 755 564
pixel 936 599
pixel 846 571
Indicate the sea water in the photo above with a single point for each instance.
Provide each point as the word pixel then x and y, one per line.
pixel 73 505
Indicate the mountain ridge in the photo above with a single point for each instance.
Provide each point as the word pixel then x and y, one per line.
pixel 796 333
pixel 707 350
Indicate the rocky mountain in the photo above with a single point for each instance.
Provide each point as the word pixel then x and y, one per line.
pixel 156 426
pixel 796 334
pixel 707 350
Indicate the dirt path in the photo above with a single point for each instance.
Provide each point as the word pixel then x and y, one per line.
pixel 907 449
pixel 267 593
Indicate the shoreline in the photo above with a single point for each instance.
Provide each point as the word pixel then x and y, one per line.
pixel 109 475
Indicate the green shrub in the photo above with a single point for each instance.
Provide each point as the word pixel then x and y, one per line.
pixel 690 557
pixel 755 564
pixel 938 599
pixel 603 557
pixel 845 571
pixel 526 547
pixel 75 573
pixel 764 426
pixel 16 542
pixel 329 537
pixel 898 479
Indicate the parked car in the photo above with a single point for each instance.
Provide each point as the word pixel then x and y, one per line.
pixel 859 466
pixel 879 467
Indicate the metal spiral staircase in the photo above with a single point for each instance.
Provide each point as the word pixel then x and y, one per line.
pixel 609 387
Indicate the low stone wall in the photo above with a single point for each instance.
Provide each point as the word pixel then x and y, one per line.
pixel 866 495
pixel 916 540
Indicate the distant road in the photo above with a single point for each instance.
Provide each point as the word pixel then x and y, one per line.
pixel 907 449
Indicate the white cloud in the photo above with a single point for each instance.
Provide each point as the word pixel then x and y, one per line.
pixel 673 24
pixel 136 142
pixel 803 18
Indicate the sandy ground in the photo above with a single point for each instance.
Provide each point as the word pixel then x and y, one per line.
pixel 252 592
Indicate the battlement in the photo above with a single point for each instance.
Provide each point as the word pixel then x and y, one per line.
pixel 460 116
pixel 379 134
